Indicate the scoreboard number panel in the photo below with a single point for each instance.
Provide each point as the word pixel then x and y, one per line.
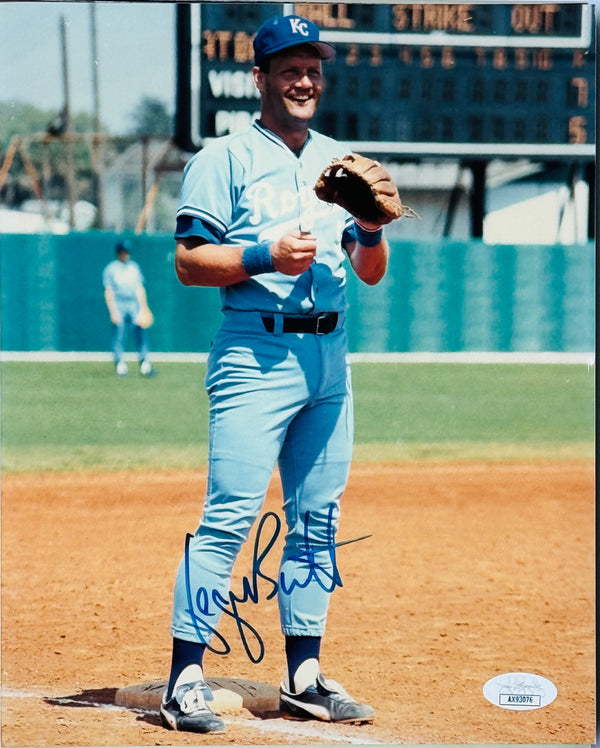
pixel 488 80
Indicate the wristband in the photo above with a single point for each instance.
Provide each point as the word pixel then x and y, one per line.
pixel 257 259
pixel 368 237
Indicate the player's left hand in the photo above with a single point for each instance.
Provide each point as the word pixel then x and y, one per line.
pixel 144 318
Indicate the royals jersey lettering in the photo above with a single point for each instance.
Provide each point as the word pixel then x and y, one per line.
pixel 250 188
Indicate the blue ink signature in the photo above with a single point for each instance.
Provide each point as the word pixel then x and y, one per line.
pixel 199 604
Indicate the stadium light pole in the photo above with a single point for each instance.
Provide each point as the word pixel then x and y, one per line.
pixel 67 132
pixel 98 149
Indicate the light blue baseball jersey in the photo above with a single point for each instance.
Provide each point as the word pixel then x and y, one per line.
pixel 249 188
pixel 124 278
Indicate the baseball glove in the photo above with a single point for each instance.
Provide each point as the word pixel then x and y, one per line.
pixel 144 318
pixel 364 188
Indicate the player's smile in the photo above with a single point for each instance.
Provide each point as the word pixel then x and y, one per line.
pixel 302 99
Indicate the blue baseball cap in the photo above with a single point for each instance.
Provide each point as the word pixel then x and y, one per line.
pixel 282 32
pixel 123 246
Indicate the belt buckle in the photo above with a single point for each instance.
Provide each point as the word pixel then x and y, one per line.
pixel 320 318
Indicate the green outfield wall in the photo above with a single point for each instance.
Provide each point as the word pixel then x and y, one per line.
pixel 438 296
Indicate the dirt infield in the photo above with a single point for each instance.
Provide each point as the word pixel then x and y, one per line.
pixel 472 570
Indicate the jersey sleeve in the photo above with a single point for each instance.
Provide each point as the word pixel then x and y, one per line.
pixel 207 191
pixel 107 277
pixel 189 226
pixel 141 279
pixel 348 236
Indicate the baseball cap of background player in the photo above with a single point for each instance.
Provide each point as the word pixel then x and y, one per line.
pixel 123 246
pixel 282 32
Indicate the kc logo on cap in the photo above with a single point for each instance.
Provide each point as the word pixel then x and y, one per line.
pixel 299 26
pixel 282 32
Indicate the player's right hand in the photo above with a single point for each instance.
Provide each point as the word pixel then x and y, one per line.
pixel 294 253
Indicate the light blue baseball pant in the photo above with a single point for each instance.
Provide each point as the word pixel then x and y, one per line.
pixel 274 398
pixel 128 312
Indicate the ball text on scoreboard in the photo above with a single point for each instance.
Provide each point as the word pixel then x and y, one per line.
pixel 491 72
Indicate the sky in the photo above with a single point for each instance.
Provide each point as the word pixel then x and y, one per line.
pixel 136 56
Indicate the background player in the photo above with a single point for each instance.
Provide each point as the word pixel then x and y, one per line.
pixel 278 379
pixel 125 297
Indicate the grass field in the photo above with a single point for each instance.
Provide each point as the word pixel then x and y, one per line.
pixel 78 415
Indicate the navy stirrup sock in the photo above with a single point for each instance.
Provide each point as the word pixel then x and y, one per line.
pixel 297 650
pixel 184 653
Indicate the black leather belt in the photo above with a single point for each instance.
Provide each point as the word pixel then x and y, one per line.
pixel 321 324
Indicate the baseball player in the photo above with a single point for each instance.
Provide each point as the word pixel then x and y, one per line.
pixel 278 379
pixel 127 304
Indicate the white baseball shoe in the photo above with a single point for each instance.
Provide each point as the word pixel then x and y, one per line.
pixel 146 369
pixel 326 700
pixel 187 710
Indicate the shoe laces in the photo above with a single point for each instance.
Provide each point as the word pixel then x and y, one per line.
pixel 191 698
pixel 334 688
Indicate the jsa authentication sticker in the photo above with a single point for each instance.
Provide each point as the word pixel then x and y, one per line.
pixel 519 691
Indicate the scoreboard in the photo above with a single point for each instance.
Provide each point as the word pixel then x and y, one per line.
pixel 507 80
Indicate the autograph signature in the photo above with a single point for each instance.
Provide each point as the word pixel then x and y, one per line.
pixel 199 603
